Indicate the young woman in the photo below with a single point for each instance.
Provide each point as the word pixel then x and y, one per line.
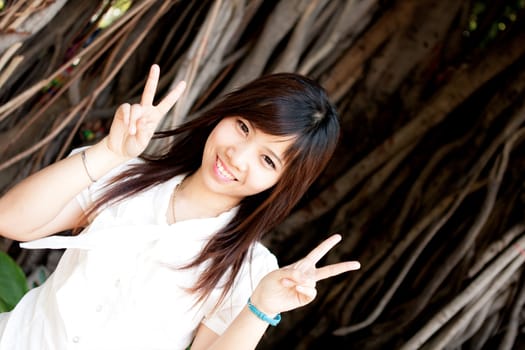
pixel 170 254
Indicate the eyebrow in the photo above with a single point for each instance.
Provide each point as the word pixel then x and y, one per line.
pixel 269 150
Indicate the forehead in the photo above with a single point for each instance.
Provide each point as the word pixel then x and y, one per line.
pixel 276 142
pixel 269 137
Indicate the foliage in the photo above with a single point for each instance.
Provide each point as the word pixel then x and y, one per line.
pixel 13 284
pixel 488 22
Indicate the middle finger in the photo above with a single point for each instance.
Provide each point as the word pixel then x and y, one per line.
pixel 173 96
pixel 336 269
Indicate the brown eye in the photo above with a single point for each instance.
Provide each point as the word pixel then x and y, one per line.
pixel 244 128
pixel 269 161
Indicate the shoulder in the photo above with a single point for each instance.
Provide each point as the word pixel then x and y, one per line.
pixel 259 262
pixel 261 255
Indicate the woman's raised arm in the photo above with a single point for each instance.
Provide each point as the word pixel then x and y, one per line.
pixel 44 203
pixel 281 290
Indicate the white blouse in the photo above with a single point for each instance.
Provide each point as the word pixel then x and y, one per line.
pixel 118 286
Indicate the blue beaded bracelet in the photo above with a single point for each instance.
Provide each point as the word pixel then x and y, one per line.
pixel 272 321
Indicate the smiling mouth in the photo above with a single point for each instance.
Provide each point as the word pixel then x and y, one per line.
pixel 222 170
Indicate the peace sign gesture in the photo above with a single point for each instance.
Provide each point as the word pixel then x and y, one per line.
pixel 293 286
pixel 133 125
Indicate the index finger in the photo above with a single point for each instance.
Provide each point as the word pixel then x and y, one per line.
pixel 151 86
pixel 315 255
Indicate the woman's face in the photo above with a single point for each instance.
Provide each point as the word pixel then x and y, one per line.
pixel 240 160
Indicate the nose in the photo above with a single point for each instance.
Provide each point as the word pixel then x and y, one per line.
pixel 239 155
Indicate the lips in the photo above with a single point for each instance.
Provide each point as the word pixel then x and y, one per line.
pixel 222 171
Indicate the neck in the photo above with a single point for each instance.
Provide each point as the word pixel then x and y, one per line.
pixel 193 200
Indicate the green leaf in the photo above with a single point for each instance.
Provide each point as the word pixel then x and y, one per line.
pixel 13 283
pixel 3 306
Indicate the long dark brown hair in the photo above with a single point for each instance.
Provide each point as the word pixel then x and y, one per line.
pixel 283 104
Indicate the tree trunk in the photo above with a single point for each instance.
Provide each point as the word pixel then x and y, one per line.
pixel 426 185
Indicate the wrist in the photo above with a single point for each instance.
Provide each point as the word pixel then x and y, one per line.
pixel 270 319
pixel 258 301
pixel 99 159
pixel 104 146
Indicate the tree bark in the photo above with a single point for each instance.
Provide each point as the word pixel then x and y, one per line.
pixel 422 187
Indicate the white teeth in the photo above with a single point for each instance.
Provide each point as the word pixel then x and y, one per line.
pixel 223 171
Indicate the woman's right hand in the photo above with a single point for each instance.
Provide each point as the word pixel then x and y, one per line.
pixel 133 125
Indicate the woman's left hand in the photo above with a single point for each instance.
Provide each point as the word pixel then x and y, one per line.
pixel 293 286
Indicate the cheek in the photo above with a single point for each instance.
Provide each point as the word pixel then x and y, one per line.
pixel 214 141
pixel 207 150
pixel 264 180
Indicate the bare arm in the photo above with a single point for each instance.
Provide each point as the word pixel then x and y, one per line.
pixel 282 290
pixel 44 203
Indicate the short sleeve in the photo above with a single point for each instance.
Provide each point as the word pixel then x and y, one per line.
pixel 91 193
pixel 262 263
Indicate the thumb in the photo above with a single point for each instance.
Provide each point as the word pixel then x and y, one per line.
pixel 308 292
pixel 144 132
pixel 290 276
